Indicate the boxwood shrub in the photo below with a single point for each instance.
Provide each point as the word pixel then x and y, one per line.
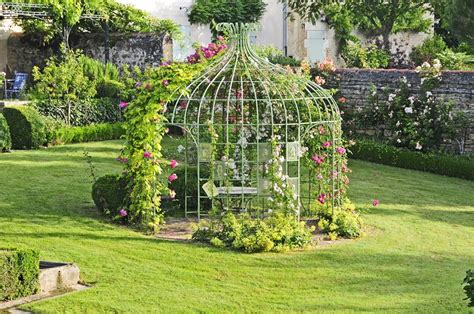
pixel 19 273
pixel 5 138
pixel 89 133
pixel 443 164
pixel 27 127
pixel 109 193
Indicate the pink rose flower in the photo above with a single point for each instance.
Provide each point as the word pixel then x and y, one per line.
pixel 147 155
pixel 166 83
pixel 327 144
pixel 172 177
pixel 183 104
pixel 123 213
pixel 318 159
pixel 342 100
pixel 122 160
pixel 341 150
pixel 375 202
pixel 322 198
pixel 173 164
pixel 238 94
pixel 123 104
pixel 322 130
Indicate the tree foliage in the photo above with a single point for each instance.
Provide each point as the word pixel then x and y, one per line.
pixel 375 17
pixel 66 19
pixel 459 19
pixel 226 11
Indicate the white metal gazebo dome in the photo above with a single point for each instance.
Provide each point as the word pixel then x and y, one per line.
pixel 244 101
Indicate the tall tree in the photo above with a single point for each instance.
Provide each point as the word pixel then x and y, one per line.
pixel 227 11
pixel 459 19
pixel 376 17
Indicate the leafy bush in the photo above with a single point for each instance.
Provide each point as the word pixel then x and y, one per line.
pixel 90 133
pixel 27 127
pixel 109 193
pixel 359 57
pixel 88 111
pixel 64 81
pixel 345 222
pixel 435 48
pixel 469 287
pixel 418 121
pixel 456 60
pixel 19 273
pixel 428 51
pixel 449 165
pixel 276 56
pixel 5 138
pixel 276 233
pixel 105 77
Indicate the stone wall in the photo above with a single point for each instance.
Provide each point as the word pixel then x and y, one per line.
pixel 134 49
pixel 455 86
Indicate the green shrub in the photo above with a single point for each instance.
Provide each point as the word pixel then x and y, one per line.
pixel 345 222
pixel 277 233
pixel 109 193
pixel 443 164
pixel 110 89
pixel 360 57
pixel 428 50
pixel 86 111
pixel 469 287
pixel 276 56
pixel 19 273
pixel 5 138
pixel 27 127
pixel 456 60
pixel 89 133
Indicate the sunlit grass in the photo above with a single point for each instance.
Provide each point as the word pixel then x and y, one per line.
pixel 420 241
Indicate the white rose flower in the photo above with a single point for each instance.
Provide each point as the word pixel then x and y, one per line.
pixel 408 110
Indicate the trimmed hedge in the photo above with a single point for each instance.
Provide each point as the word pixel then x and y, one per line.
pixel 19 273
pixel 109 193
pixel 443 164
pixel 89 133
pixel 28 128
pixel 5 138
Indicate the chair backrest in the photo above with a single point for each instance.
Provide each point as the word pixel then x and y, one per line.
pixel 20 81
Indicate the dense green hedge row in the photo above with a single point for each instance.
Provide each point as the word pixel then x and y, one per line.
pixel 449 165
pixel 5 138
pixel 30 130
pixel 89 133
pixel 19 273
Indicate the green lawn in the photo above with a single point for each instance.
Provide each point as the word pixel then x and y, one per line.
pixel 419 244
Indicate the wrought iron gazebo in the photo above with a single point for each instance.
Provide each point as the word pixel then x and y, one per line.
pixel 241 114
